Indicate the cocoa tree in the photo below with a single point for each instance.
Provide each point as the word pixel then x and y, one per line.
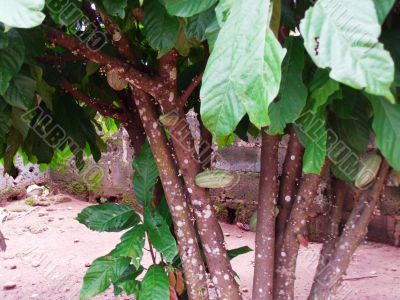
pixel 326 73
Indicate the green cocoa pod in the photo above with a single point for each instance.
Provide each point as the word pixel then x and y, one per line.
pixel 395 178
pixel 169 119
pixel 253 222
pixel 369 168
pixel 215 179
pixel 253 219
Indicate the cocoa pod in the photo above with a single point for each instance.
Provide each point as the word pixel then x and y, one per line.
pixel 253 222
pixel 169 119
pixel 115 81
pixel 370 165
pixel 395 178
pixel 215 179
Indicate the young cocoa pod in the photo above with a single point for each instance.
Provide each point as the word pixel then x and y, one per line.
pixel 215 179
pixel 169 119
pixel 253 222
pixel 370 165
pixel 395 178
pixel 115 81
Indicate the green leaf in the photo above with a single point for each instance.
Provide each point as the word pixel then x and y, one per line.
pixel 383 8
pixel 391 39
pixel 11 59
pixel 101 274
pixel 322 88
pixel 3 38
pixel 5 123
pixel 160 235
pixel 126 282
pixel 238 251
pixel 66 13
pixel 14 141
pixel 197 25
pixel 109 217
pixel 343 35
pixel 244 70
pixel 116 7
pixel 21 92
pixel 155 285
pixel 312 132
pixel 293 92
pixel 160 28
pixel 21 13
pixel 188 8
pixel 211 33
pixel 386 126
pixel 131 245
pixel 145 175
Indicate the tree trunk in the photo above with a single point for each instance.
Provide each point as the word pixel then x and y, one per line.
pixel 337 195
pixel 265 234
pixel 189 251
pixel 208 227
pixel 288 186
pixel 328 279
pixel 285 271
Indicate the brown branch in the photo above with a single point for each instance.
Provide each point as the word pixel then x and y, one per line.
pixel 188 248
pixel 337 196
pixel 263 281
pixel 329 278
pixel 138 79
pixel 286 259
pixel 104 109
pixel 120 41
pixel 209 230
pixel 190 89
pixel 288 185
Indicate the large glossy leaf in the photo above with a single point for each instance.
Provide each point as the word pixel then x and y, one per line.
pixel 293 92
pixel 321 89
pixel 155 285
pixel 109 217
pixel 115 7
pixel 101 274
pixel 160 28
pixel 311 129
pixel 131 245
pixel 188 8
pixel 160 235
pixel 197 25
pixel 343 36
pixel 145 175
pixel 386 126
pixel 11 59
pixel 127 282
pixel 21 92
pixel 391 39
pixel 244 70
pixel 5 125
pixel 21 13
pixel 383 7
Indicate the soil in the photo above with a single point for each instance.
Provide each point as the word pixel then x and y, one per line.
pixel 49 251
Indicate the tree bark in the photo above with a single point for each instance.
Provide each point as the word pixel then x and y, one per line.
pixel 288 186
pixel 189 251
pixel 208 227
pixel 265 233
pixel 337 197
pixel 286 260
pixel 328 279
